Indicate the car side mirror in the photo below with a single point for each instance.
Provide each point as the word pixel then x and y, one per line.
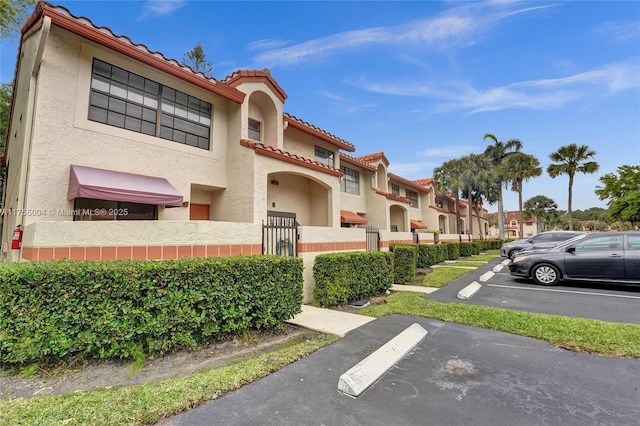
pixel 571 250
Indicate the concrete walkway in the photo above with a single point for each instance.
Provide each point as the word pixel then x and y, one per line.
pixel 340 323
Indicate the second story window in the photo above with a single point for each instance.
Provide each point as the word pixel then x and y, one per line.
pixel 350 181
pixel 395 189
pixel 122 99
pixel 255 130
pixel 413 196
pixel 324 156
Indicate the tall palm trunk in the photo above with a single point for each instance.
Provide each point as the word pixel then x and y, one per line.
pixel 521 216
pixel 469 199
pixel 480 230
pixel 500 215
pixel 569 214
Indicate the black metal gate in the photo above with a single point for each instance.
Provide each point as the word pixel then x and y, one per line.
pixel 280 234
pixel 373 239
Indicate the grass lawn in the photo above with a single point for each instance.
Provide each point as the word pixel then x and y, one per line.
pixel 148 403
pixel 441 276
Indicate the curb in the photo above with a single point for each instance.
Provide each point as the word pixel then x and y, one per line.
pixel 370 369
pixel 498 267
pixel 469 291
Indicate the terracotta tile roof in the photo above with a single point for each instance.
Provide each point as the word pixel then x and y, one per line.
pixel 425 182
pixel 84 27
pixel 289 157
pixel 264 75
pixel 309 128
pixel 395 197
pixel 408 182
pixel 354 161
pixel 372 158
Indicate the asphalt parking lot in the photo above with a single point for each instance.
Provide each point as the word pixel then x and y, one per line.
pixel 616 303
pixel 458 375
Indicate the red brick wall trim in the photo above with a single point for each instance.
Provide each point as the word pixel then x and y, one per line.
pixel 138 252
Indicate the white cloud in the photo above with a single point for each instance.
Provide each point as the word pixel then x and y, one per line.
pixel 154 8
pixel 619 31
pixel 266 43
pixel 543 94
pixel 452 27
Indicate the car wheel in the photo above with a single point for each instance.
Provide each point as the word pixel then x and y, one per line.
pixel 545 274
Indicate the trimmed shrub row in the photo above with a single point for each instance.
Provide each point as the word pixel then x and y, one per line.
pixel 344 277
pixel 51 311
pixel 404 263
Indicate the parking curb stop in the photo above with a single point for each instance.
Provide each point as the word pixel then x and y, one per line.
pixel 366 372
pixel 486 276
pixel 469 291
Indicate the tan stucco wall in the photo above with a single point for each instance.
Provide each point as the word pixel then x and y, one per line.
pixel 305 145
pixel 76 234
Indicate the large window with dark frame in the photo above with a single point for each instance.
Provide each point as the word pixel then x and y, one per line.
pixel 89 209
pixel 123 99
pixel 413 196
pixel 350 182
pixel 324 156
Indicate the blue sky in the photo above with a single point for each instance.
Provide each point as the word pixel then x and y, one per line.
pixel 423 81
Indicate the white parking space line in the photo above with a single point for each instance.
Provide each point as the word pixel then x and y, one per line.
pixel 565 291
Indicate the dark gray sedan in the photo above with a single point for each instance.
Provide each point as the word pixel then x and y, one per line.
pixel 604 257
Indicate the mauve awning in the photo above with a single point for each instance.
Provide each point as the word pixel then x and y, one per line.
pixel 350 217
pixel 87 182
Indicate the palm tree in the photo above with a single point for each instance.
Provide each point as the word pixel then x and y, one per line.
pixel 569 160
pixel 478 177
pixel 517 169
pixel 497 153
pixel 539 206
pixel 447 178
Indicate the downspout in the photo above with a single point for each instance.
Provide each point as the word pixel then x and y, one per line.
pixel 30 115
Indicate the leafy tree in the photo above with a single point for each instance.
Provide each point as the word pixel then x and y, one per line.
pixel 517 169
pixel 539 206
pixel 497 153
pixel 197 60
pixel 623 192
pixel 13 13
pixel 5 100
pixel 569 160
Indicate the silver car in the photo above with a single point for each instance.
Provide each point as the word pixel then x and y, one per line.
pixel 539 241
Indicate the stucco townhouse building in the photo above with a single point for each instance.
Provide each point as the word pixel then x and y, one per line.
pixel 114 151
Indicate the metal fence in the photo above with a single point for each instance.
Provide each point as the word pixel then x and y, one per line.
pixel 373 239
pixel 280 234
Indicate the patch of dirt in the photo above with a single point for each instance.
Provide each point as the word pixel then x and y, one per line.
pixel 108 375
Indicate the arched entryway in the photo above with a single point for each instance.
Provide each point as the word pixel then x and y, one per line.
pixel 398 218
pixel 296 193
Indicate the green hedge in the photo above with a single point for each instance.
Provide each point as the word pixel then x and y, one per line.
pixel 404 263
pixel 453 250
pixel 51 311
pixel 343 277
